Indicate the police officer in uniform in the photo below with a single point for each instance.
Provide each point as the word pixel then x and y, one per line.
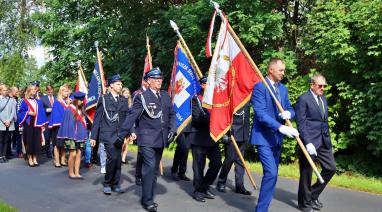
pixel 203 147
pixel 154 119
pixel 240 131
pixel 111 112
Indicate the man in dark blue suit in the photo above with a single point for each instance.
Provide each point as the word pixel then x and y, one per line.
pixel 47 101
pixel 312 123
pixel 268 128
pixel 152 118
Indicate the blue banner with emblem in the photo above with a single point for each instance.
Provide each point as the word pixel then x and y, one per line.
pixel 95 90
pixel 184 84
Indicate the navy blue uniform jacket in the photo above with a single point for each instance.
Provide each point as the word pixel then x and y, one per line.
pixel 151 132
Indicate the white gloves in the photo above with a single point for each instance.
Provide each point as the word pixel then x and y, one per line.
pixel 288 131
pixel 285 115
pixel 311 149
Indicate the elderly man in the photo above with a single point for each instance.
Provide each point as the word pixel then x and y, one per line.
pixel 152 121
pixel 312 123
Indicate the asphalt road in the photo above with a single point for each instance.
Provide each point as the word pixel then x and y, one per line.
pixel 46 188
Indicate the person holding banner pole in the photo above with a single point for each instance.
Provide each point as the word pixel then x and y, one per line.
pixel 203 147
pixel 312 123
pixel 268 128
pixel 240 130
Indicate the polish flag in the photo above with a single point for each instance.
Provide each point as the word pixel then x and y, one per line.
pixel 230 82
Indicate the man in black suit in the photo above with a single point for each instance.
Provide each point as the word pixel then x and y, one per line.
pixel 179 165
pixel 240 130
pixel 312 123
pixel 203 147
pixel 111 112
pixel 47 101
pixel 152 118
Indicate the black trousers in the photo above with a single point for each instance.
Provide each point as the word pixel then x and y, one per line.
pixel 138 165
pixel 48 139
pixel 306 191
pixel 230 158
pixel 113 165
pixel 199 154
pixel 5 140
pixel 151 158
pixel 179 164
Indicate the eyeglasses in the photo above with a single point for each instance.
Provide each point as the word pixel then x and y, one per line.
pixel 321 86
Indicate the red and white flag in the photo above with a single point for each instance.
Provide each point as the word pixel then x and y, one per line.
pixel 82 84
pixel 230 82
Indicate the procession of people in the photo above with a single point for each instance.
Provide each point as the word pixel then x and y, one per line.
pixel 57 126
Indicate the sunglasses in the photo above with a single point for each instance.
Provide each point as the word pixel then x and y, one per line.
pixel 321 86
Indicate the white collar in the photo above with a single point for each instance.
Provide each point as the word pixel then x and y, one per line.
pixel 315 95
pixel 272 82
pixel 154 91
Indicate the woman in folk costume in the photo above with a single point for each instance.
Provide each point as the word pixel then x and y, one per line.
pixel 73 129
pixel 32 118
pixel 127 94
pixel 56 117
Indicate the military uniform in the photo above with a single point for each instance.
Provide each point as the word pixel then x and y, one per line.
pixel 152 118
pixel 240 131
pixel 203 147
pixel 110 114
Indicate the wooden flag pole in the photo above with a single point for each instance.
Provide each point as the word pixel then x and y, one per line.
pixel 188 52
pixel 288 122
pixel 149 52
pixel 243 161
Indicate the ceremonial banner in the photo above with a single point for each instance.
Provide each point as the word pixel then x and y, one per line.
pixel 230 82
pixel 183 86
pixel 82 84
pixel 97 87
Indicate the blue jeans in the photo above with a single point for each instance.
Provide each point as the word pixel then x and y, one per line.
pixel 88 151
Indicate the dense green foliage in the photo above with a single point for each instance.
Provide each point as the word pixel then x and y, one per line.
pixel 341 39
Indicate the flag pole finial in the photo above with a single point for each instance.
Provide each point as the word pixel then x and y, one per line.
pixel 217 7
pixel 174 26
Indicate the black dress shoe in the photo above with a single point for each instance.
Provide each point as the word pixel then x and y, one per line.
pixel 220 187
pixel 150 208
pixel 138 181
pixel 317 205
pixel 209 195
pixel 199 197
pixel 175 176
pixel 305 209
pixel 184 177
pixel 243 191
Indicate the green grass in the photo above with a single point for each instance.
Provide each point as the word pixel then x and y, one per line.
pixel 6 208
pixel 345 180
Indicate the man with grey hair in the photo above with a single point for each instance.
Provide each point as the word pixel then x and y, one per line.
pixel 312 123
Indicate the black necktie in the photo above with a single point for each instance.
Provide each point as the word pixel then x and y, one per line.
pixel 321 106
pixel 158 96
pixel 117 98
